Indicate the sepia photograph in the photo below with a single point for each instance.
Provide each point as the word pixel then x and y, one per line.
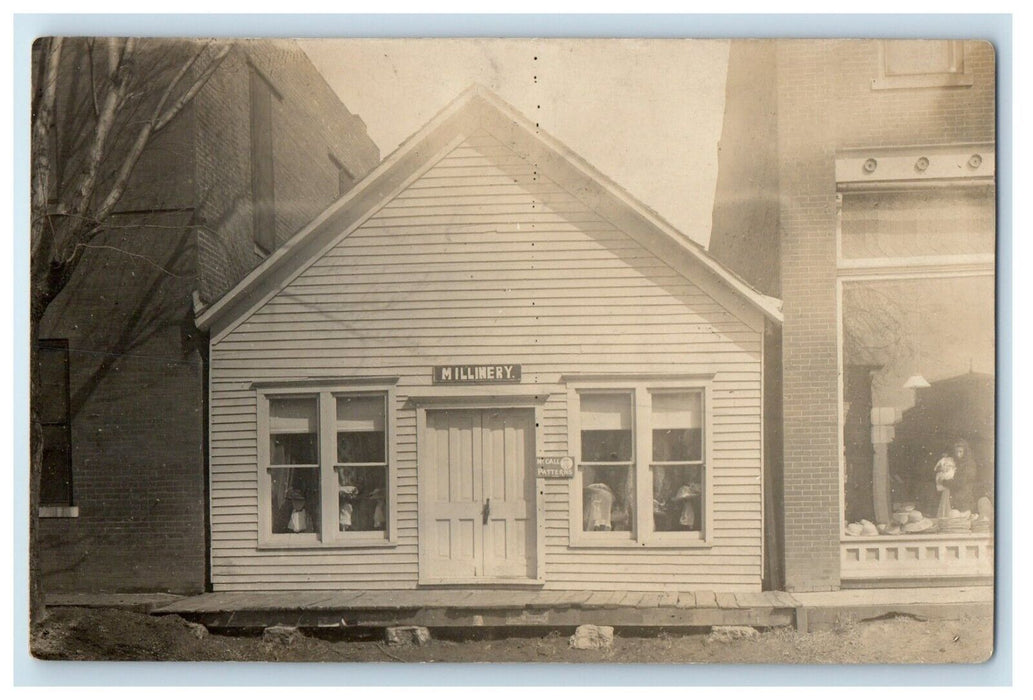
pixel 593 351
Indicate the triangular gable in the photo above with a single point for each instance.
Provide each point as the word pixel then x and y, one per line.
pixel 478 108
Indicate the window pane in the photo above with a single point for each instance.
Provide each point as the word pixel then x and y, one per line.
pixel 919 56
pixel 607 498
pixel 294 431
pixel 677 498
pixel 919 223
pixel 295 500
pixel 361 436
pixel 294 448
pixel 606 411
pixel 293 415
pixel 606 445
pixel 52 366
pixel 55 488
pixel 918 358
pixel 363 498
pixel 677 427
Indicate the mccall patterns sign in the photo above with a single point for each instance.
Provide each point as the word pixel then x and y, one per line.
pixel 476 374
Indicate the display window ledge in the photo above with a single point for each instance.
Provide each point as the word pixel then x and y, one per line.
pixel 915 537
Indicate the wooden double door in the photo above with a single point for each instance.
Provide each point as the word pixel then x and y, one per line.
pixel 478 516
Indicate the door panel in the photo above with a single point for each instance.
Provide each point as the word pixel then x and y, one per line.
pixel 480 499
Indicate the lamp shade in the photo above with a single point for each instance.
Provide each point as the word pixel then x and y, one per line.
pixel 916 381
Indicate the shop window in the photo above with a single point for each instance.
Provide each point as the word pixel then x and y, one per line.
pixel 918 402
pixel 641 475
pixel 53 412
pixel 913 63
pixel 327 468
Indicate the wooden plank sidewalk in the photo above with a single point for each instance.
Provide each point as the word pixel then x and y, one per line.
pixel 477 608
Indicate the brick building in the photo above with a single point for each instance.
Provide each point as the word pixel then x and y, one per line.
pixel 866 170
pixel 264 146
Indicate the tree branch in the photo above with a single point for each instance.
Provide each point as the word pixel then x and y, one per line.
pixel 41 156
pixel 113 100
pixel 158 120
pixel 93 80
pixel 202 79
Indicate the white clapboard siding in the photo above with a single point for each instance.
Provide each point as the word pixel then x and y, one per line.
pixel 482 259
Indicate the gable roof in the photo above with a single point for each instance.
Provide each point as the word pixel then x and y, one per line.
pixel 475 109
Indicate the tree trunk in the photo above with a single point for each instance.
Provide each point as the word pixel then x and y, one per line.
pixel 37 602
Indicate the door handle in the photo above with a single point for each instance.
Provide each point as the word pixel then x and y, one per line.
pixel 486 511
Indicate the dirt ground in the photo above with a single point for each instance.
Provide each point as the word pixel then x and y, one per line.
pixel 109 634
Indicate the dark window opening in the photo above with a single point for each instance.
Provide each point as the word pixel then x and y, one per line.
pixel 264 219
pixel 53 412
pixel 345 179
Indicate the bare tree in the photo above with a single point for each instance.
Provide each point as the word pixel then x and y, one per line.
pixel 97 104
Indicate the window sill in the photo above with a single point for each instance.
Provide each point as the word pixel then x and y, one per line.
pixel 356 543
pixel 652 543
pixel 59 511
pixel 922 80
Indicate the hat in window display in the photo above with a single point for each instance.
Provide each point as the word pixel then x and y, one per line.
pixel 379 518
pixel 688 511
pixel 598 507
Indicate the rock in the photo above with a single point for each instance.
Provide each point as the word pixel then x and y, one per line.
pixel 406 635
pixel 197 629
pixel 592 637
pixel 731 633
pixel 281 634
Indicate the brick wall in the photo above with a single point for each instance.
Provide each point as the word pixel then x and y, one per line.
pixel 825 103
pixel 136 381
pixel 309 125
pixel 137 375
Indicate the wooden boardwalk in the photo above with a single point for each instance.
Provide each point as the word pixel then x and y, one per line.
pixel 487 608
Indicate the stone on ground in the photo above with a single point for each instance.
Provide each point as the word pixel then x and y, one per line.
pixel 197 629
pixel 282 634
pixel 731 633
pixel 592 637
pixel 406 635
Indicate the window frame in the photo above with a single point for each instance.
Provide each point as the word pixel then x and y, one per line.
pixel 329 536
pixel 643 534
pixel 69 509
pixel 862 270
pixel 955 76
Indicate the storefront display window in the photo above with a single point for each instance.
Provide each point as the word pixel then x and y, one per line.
pixel 642 468
pixel 918 405
pixel 327 468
